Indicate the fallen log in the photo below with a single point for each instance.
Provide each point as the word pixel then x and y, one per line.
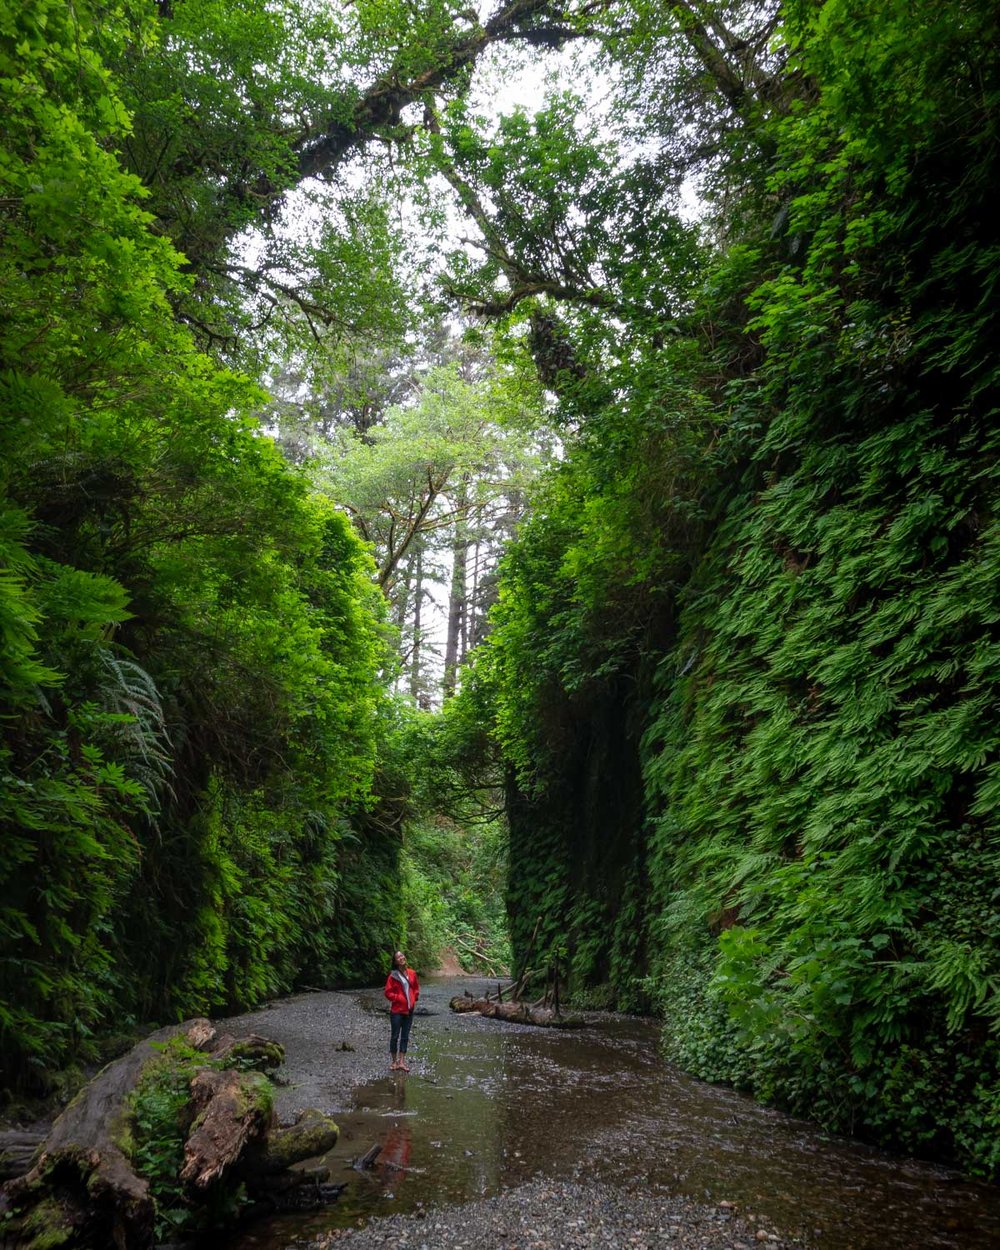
pixel 517 1013
pixel 85 1189
pixel 82 1187
pixel 463 1002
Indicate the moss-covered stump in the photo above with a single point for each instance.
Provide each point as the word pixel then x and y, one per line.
pixel 164 1140
pixel 83 1190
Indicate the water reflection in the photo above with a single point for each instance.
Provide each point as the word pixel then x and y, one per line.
pixel 489 1105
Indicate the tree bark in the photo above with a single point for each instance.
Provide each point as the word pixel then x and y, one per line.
pixel 457 605
pixel 402 594
pixel 233 1111
pixel 471 635
pixel 18 1148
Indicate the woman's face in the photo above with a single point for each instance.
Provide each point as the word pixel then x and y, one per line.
pixel 399 959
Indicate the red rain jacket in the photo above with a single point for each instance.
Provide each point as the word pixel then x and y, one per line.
pixel 396 995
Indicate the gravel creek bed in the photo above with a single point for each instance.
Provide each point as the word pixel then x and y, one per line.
pixel 332 1045
pixel 567 1216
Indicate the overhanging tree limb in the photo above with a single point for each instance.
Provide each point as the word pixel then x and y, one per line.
pixel 536 21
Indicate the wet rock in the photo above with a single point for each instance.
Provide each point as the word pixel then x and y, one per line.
pixel 312 1134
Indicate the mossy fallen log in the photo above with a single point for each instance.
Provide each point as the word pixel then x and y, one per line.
pixel 516 1012
pixel 157 1141
pixel 82 1189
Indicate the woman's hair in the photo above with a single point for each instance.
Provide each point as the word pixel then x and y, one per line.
pixel 392 961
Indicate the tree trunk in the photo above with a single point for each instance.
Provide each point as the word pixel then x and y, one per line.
pixel 401 592
pixel 470 635
pixel 457 601
pixel 416 677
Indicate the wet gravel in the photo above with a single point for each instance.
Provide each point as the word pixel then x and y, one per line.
pixel 526 1139
pixel 333 1040
pixel 566 1216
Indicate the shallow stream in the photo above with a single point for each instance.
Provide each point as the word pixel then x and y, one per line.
pixel 489 1105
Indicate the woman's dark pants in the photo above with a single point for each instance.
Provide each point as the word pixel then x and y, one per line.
pixel 399 1035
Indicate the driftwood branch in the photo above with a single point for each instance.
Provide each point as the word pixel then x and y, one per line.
pixel 367 1160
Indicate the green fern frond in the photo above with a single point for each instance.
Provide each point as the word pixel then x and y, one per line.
pixel 142 743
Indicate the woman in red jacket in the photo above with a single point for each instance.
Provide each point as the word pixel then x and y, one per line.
pixel 402 990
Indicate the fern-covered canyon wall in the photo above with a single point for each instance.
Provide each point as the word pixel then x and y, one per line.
pixel 207 773
pixel 196 714
pixel 746 660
